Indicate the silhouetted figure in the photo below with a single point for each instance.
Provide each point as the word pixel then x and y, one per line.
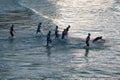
pixel 97 38
pixel 12 31
pixel 64 34
pixel 88 39
pixel 48 38
pixel 56 32
pixel 67 29
pixel 38 28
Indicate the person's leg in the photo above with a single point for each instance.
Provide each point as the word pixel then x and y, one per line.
pixel 11 33
pixel 87 43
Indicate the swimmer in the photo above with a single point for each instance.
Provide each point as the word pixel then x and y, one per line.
pixel 48 39
pixel 12 30
pixel 56 32
pixel 97 38
pixel 67 29
pixel 88 39
pixel 63 34
pixel 38 28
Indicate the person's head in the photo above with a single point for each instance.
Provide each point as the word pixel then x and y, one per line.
pixel 12 26
pixel 68 26
pixel 89 34
pixel 56 26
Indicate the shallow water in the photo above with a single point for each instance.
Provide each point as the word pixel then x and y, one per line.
pixel 26 57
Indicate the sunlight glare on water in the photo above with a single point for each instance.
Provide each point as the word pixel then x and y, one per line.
pixel 82 15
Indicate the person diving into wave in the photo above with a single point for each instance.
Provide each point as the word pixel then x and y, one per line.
pixel 98 39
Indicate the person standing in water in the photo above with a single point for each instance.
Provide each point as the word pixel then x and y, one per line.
pixel 48 38
pixel 12 31
pixel 63 34
pixel 67 29
pixel 56 32
pixel 38 28
pixel 88 39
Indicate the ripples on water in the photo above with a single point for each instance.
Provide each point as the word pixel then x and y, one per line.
pixel 26 57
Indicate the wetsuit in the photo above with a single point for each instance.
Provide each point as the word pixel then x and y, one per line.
pixel 67 29
pixel 97 38
pixel 56 32
pixel 48 38
pixel 87 40
pixel 11 31
pixel 64 33
pixel 38 29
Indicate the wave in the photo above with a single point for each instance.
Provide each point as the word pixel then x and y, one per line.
pixel 45 8
pixel 44 11
pixel 39 11
pixel 9 5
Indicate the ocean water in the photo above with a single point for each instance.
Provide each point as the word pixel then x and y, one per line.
pixel 25 57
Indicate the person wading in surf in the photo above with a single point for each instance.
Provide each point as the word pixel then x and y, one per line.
pixel 64 33
pixel 88 39
pixel 48 39
pixel 38 28
pixel 12 31
pixel 67 29
pixel 56 32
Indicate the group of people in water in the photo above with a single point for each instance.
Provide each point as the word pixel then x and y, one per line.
pixel 64 34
